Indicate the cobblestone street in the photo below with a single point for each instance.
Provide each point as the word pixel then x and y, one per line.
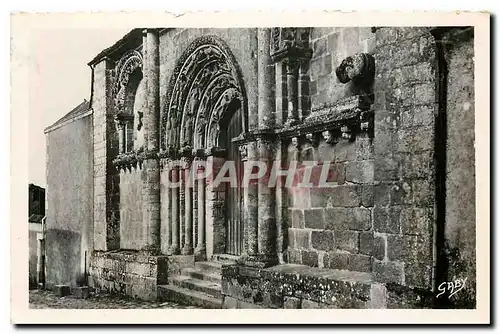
pixel 46 299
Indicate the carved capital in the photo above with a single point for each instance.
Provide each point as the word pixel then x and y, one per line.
pixel 186 162
pixel 243 152
pixel 292 66
pixel 120 124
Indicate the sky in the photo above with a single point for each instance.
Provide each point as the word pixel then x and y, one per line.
pixel 59 81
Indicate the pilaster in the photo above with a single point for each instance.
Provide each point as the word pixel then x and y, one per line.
pixel 151 127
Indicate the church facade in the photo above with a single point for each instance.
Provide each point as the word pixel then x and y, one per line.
pixel 374 125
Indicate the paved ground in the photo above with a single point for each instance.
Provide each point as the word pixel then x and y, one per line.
pixel 46 299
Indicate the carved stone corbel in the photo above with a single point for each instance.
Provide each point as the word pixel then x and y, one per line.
pixel 367 122
pixel 346 133
pixel 313 139
pixel 295 143
pixel 328 137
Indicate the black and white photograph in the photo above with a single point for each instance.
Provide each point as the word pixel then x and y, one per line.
pixel 302 166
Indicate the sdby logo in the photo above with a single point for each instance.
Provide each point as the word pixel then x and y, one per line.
pixel 452 287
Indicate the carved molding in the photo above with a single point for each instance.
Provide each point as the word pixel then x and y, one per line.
pixel 205 81
pixel 215 152
pixel 326 122
pixel 125 67
pixel 127 161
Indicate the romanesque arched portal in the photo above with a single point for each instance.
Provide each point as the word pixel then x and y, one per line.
pixel 205 107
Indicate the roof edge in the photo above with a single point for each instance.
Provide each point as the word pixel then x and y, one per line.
pixel 82 110
pixel 129 37
pixel 132 34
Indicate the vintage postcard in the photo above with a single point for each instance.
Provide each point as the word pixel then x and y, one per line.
pixel 314 167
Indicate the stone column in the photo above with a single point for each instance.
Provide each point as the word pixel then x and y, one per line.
pixel 292 68
pixel 250 205
pixel 266 80
pixel 121 136
pixel 174 204
pixel 266 219
pixel 152 125
pixel 166 212
pixel 182 207
pixel 188 211
pixel 200 252
pixel 266 229
pixel 303 99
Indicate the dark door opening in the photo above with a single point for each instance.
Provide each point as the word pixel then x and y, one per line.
pixel 234 195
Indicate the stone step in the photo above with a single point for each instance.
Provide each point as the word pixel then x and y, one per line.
pixel 209 267
pixel 201 275
pixel 185 296
pixel 225 258
pixel 207 287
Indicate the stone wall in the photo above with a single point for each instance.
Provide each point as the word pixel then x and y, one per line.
pixel 331 227
pixel 128 273
pixel 404 193
pixel 131 198
pixel 330 46
pixel 460 229
pixel 34 230
pixel 69 230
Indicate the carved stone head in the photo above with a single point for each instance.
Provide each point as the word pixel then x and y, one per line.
pixel 358 68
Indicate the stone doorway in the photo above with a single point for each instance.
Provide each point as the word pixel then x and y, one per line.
pixel 234 195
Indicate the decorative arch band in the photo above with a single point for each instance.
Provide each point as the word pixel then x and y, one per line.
pixel 128 64
pixel 205 88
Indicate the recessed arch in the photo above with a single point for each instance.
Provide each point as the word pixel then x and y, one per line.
pixel 205 82
pixel 128 74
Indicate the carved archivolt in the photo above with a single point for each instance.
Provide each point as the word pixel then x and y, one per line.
pixel 205 88
pixel 124 69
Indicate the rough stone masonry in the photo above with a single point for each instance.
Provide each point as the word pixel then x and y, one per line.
pixel 390 109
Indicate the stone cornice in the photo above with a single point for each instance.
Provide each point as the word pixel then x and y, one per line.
pixel 127 160
pixel 352 113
